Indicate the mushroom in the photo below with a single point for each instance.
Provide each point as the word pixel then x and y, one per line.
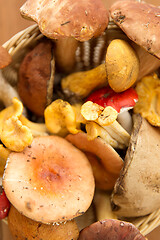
pixel 36 78
pixel 141 167
pixel 5 58
pixel 102 155
pixel 122 65
pixel 60 118
pixel 16 131
pixel 148 105
pixel 121 102
pixel 4 204
pixel 49 185
pixel 69 18
pixel 111 229
pixel 22 227
pixel 83 83
pixel 143 30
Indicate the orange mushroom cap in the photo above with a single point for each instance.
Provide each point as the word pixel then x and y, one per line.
pixel 53 181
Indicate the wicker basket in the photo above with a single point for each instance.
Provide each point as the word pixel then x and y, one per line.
pixel 17 46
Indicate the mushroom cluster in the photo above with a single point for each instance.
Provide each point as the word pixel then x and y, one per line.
pixel 81 124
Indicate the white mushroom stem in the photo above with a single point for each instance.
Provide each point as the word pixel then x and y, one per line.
pixel 125 121
pixel 7 92
pixel 118 133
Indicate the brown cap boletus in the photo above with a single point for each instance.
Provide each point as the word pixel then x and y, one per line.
pixel 110 229
pixel 105 161
pixel 36 77
pixel 5 58
pixel 137 190
pixel 23 228
pixel 140 22
pixel 53 181
pixel 68 18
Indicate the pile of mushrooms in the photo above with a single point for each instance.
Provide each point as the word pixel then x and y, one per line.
pixel 83 121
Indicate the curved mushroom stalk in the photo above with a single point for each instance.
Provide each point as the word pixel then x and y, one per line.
pixel 68 18
pixel 141 167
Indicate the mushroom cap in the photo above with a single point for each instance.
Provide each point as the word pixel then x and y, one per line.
pixel 36 77
pixel 5 58
pixel 67 18
pixel 53 181
pixel 140 21
pixel 137 190
pixel 107 156
pixel 110 229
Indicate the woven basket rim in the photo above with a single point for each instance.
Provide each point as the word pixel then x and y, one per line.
pixel 31 35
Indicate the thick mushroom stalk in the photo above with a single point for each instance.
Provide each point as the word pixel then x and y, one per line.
pixel 68 18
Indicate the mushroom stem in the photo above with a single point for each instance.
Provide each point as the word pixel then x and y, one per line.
pixel 65 53
pixel 125 120
pixel 7 92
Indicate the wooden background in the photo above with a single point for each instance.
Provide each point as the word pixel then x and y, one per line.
pixel 11 22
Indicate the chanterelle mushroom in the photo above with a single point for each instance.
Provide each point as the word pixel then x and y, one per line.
pixel 67 18
pixel 51 183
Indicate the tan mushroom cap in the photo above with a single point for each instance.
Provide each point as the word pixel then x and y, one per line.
pixel 140 22
pixel 110 229
pixel 53 180
pixel 5 58
pixel 68 18
pixel 109 158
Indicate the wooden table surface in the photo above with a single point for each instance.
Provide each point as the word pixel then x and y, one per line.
pixel 11 22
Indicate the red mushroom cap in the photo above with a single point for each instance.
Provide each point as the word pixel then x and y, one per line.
pixel 119 101
pixel 111 229
pixel 4 204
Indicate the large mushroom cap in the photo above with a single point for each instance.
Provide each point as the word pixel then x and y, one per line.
pixel 110 229
pixel 137 191
pixel 140 21
pixel 50 181
pixel 67 18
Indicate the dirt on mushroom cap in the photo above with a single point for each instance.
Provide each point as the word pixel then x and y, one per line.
pixel 49 184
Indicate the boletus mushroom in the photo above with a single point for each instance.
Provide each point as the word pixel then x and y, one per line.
pixel 36 77
pixel 110 229
pixel 49 185
pixel 136 192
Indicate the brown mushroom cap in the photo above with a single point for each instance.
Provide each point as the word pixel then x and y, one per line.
pixel 106 155
pixel 5 58
pixel 140 22
pixel 53 180
pixel 68 18
pixel 110 229
pixel 36 78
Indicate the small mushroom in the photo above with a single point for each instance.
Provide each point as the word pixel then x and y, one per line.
pixel 144 29
pixel 60 118
pixel 36 78
pixel 49 185
pixel 148 105
pixel 122 65
pixel 141 167
pixel 5 58
pixel 16 131
pixel 22 227
pixel 100 153
pixel 69 18
pixel 111 229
